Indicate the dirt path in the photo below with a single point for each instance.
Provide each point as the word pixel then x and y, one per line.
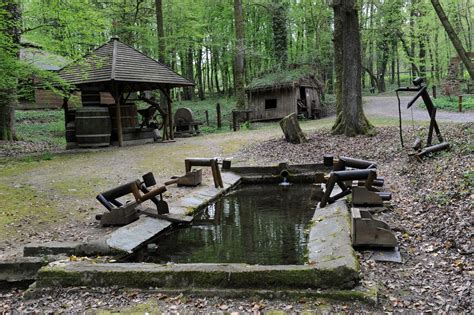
pixel 376 106
pixel 54 199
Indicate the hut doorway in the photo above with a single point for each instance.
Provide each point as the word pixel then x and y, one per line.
pixel 302 103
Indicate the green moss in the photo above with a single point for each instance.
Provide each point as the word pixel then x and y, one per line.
pixel 21 206
pixel 79 187
pixel 280 78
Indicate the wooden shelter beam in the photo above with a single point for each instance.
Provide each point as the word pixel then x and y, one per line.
pixel 166 93
pixel 117 95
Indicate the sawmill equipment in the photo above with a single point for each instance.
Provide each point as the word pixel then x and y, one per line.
pixel 367 231
pixel 422 91
pixel 185 123
pixel 192 178
pixel 212 163
pixel 122 214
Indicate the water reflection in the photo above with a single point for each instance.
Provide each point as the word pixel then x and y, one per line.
pixel 257 224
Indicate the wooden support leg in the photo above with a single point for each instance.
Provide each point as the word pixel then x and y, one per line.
pixel 327 192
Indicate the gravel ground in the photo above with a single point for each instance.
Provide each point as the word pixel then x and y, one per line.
pixel 431 214
pixel 388 107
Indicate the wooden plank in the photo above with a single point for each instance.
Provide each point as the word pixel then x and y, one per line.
pixel 130 237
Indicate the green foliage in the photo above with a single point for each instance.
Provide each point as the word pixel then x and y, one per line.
pixel 41 126
pixel 451 103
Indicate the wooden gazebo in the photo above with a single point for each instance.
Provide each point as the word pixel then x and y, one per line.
pixel 119 69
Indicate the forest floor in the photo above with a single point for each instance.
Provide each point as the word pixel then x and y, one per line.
pixel 431 214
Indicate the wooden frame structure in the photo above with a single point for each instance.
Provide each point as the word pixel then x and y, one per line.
pixel 120 69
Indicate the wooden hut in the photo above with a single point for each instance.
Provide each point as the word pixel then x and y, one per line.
pixel 38 97
pixel 120 70
pixel 276 95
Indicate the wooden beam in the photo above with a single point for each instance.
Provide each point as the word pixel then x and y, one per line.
pixel 166 93
pixel 117 94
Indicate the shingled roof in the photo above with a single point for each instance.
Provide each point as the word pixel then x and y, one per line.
pixel 116 61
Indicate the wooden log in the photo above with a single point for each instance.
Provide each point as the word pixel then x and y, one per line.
pixel 292 129
pixel 434 148
pixel 219 116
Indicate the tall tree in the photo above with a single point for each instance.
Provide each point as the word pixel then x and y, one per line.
pixel 239 75
pixel 453 37
pixel 350 119
pixel 9 52
pixel 160 31
pixel 280 33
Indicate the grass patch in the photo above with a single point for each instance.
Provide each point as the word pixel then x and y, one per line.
pixel 451 103
pixel 80 187
pixel 199 109
pixel 21 205
pixel 41 126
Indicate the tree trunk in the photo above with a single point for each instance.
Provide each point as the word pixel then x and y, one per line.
pixel 280 46
pixel 10 55
pixel 350 118
pixel 414 68
pixel 412 39
pixel 215 64
pixel 292 130
pixel 199 73
pixel 454 38
pixel 190 72
pixel 239 85
pixel 160 31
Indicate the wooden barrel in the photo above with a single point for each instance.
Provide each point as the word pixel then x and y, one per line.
pixel 128 116
pixel 90 98
pixel 93 127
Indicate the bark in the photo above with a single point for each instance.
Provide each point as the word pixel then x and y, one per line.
pixel 160 31
pixel 199 74
pixel 414 68
pixel 350 118
pixel 8 94
pixel 280 33
pixel 215 73
pixel 189 91
pixel 454 38
pixel 239 75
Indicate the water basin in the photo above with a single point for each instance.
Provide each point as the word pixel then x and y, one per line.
pixel 254 224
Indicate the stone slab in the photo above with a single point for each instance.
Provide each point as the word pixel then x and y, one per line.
pixel 20 268
pixel 144 275
pixel 130 237
pixel 96 247
pixel 50 248
pixel 329 243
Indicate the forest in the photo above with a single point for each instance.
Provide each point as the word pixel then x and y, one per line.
pixel 236 156
pixel 400 39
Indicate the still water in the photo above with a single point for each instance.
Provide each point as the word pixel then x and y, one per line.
pixel 256 224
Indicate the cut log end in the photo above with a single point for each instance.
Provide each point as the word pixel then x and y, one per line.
pixel 292 129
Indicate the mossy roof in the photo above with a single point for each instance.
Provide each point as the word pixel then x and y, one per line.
pixel 282 79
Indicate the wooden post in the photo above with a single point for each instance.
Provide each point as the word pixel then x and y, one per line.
pixel 117 96
pixel 170 114
pixel 460 103
pixel 66 110
pixel 434 91
pixel 219 118
pixel 166 92
pixel 207 117
pixel 234 121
